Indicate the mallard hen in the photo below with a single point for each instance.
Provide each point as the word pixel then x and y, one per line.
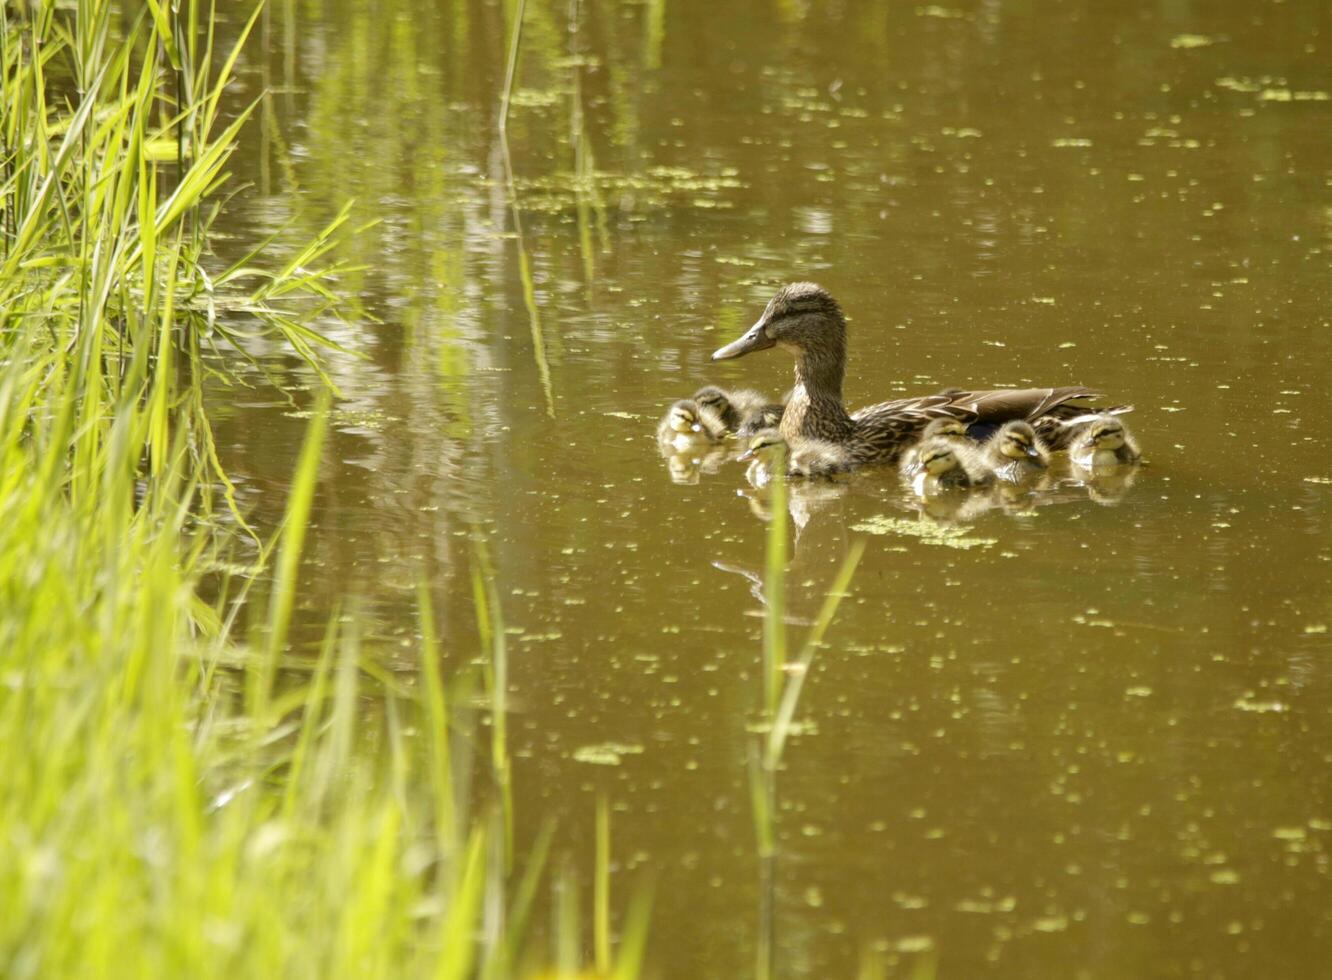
pixel 806 321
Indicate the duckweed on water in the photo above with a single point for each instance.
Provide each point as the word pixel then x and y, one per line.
pixel 938 534
pixel 605 753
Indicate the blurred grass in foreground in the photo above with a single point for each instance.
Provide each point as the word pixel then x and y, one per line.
pixel 174 802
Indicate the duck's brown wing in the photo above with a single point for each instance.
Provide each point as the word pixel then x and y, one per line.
pixel 1006 404
pixel 1000 405
pixel 887 425
pixel 906 412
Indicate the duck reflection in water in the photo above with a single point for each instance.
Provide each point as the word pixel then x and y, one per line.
pixel 687 468
pixel 1109 488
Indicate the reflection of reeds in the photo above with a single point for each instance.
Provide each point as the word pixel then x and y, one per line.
pixel 524 263
pixel 782 686
pixel 774 588
pixel 494 648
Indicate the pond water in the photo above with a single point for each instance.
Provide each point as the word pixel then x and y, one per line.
pixel 1097 744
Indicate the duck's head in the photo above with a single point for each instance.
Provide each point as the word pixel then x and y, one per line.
pixel 712 399
pixel 946 428
pixel 1105 433
pixel 1017 440
pixel 683 418
pixel 937 458
pixel 802 318
pixel 765 446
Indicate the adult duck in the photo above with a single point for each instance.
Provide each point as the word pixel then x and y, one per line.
pixel 806 321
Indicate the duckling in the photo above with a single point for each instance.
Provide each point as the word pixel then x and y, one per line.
pixel 767 417
pixel 736 410
pixel 1014 454
pixel 684 428
pixel 1104 441
pixel 953 431
pixel 944 466
pixel 807 458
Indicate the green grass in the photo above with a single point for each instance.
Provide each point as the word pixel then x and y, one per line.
pixel 174 799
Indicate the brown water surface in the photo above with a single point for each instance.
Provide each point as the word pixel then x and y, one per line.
pixel 1097 743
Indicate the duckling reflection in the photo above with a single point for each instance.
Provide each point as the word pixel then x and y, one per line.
pixel 955 508
pixel 954 431
pixel 1015 454
pixel 1104 442
pixel 804 500
pixel 687 467
pixel 768 450
pixel 685 428
pixel 731 411
pixel 1109 486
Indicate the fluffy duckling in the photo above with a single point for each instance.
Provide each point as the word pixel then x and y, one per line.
pixel 1014 454
pixel 767 417
pixel 1103 442
pixel 735 410
pixel 685 428
pixel 944 466
pixel 807 458
pixel 954 431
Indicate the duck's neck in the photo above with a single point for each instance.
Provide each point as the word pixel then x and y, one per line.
pixel 815 409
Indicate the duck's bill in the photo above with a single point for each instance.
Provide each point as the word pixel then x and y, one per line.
pixel 745 456
pixel 755 339
pixel 1033 452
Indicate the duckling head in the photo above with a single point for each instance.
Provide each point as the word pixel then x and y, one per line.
pixel 802 318
pixel 1017 440
pixel 765 446
pixel 1106 433
pixel 712 399
pixel 948 428
pixel 683 418
pixel 938 458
